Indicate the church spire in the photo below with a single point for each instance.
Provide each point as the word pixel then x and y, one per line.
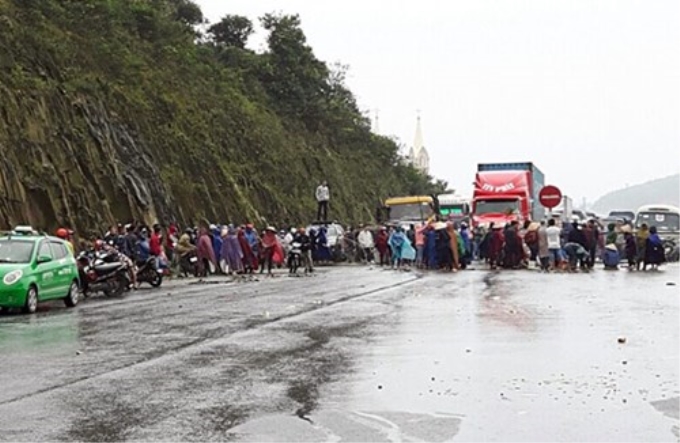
pixel 418 140
pixel 419 157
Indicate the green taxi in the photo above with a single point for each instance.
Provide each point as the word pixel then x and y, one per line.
pixel 36 268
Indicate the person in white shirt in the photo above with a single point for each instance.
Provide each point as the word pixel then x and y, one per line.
pixel 288 240
pixel 554 246
pixel 323 195
pixel 366 243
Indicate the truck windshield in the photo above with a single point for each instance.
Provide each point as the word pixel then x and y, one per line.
pixel 411 212
pixel 496 207
pixel 15 251
pixel 664 221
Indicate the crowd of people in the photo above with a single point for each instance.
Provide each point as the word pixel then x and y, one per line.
pixel 549 245
pixel 219 249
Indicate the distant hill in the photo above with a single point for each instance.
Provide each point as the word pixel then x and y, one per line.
pixel 663 191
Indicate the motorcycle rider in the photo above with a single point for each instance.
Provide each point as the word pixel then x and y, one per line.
pixel 155 245
pixel 65 234
pixel 112 235
pixel 184 247
pixel 305 242
pixel 129 247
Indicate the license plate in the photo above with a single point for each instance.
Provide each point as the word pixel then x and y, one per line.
pixel 193 259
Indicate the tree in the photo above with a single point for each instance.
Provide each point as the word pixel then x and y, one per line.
pixel 232 30
pixel 294 78
pixel 189 12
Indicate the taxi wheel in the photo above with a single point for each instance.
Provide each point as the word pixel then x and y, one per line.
pixel 31 304
pixel 73 295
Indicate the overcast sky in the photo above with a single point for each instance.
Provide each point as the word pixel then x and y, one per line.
pixel 589 90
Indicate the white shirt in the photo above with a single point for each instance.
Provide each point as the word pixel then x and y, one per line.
pixel 366 240
pixel 322 193
pixel 553 237
pixel 288 239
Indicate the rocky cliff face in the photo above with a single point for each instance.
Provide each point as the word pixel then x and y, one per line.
pixel 109 111
pixel 67 159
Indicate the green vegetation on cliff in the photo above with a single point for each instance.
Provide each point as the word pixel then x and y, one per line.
pixel 120 109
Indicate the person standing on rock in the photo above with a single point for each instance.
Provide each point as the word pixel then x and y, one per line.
pixel 323 196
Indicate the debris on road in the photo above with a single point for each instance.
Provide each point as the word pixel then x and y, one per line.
pixel 622 339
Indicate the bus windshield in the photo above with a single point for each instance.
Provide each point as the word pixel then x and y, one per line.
pixel 455 209
pixel 664 221
pixel 411 212
pixel 496 207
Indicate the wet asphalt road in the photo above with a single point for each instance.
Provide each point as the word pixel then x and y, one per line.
pixel 353 354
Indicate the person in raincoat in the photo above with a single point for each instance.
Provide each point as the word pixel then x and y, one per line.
pixel 455 244
pixel 654 251
pixel 381 244
pixel 611 257
pixel 396 242
pixel 323 251
pixel 270 248
pixel 249 260
pixel 611 234
pixel 514 252
pixel 215 233
pixel 631 250
pixel 205 253
pixel 430 248
pixel 465 248
pixel 408 252
pixel 641 242
pixel 443 245
pixel 182 248
pixel 543 251
pixel 231 253
pixel 576 254
pixel 253 240
pixel 496 243
pixel 184 245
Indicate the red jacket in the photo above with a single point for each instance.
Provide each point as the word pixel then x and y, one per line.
pixel 155 245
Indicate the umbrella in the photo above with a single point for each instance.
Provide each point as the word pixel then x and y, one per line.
pixel 534 226
pixel 439 225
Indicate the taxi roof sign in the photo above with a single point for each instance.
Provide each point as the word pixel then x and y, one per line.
pixel 24 230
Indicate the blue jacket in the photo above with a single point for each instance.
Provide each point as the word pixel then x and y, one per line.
pixel 217 244
pixel 465 235
pixel 143 250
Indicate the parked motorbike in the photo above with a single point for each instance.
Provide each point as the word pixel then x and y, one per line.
pixel 148 272
pixel 102 272
pixel 294 257
pixel 188 264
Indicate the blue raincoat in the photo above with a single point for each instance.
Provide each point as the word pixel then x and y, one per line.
pixel 217 244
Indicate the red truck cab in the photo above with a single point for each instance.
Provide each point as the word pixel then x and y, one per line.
pixel 501 197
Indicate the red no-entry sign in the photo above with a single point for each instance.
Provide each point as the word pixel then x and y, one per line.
pixel 550 196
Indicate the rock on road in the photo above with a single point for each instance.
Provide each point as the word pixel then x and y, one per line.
pixel 353 354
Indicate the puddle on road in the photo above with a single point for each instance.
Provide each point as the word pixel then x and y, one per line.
pixel 337 425
pixel 669 407
pixel 496 305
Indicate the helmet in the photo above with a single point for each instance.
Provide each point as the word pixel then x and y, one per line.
pixel 62 233
pixel 98 245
